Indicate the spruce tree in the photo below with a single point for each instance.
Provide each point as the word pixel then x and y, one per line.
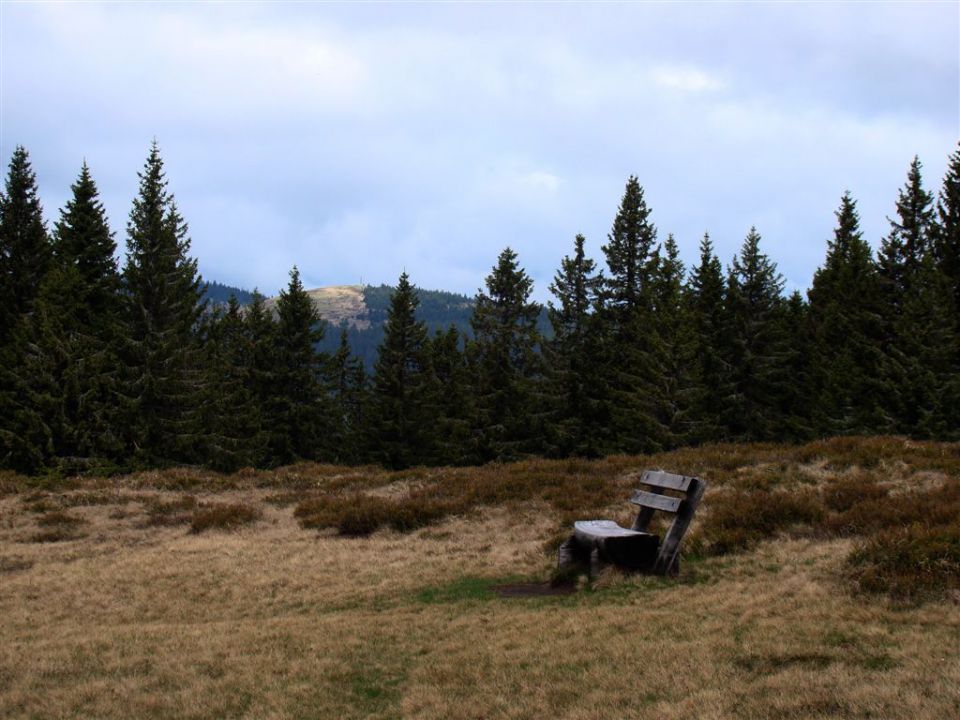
pixel 913 310
pixel 947 254
pixel 506 340
pixel 87 326
pixel 162 298
pixel 630 254
pixel 757 345
pixel 456 406
pixel 348 387
pixel 402 409
pixel 672 351
pixel 300 414
pixel 27 387
pixel 230 411
pixel 28 396
pixel 635 374
pixel 946 245
pixel 846 332
pixel 909 240
pixel 25 252
pixel 707 303
pixel 260 332
pixel 576 377
pixel 798 416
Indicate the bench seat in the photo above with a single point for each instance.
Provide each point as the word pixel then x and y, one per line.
pixel 633 549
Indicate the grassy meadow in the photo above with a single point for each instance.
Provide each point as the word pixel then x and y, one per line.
pixel 819 581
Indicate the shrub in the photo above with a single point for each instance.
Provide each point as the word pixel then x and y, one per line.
pixel 56 534
pixel 14 564
pixel 738 520
pixel 844 493
pixel 223 517
pixel 359 514
pixel 41 502
pixel 174 512
pixel 936 506
pixel 59 519
pixel 97 497
pixel 910 563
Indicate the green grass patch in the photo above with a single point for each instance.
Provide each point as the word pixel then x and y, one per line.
pixel 465 589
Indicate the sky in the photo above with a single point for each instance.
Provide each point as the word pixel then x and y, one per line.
pixel 360 140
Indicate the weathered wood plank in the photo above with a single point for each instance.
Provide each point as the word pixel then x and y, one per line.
pixel 642 521
pixel 669 481
pixel 656 501
pixel 670 548
pixel 619 545
pixel 600 529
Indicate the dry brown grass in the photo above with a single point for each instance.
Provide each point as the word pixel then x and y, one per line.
pixel 274 621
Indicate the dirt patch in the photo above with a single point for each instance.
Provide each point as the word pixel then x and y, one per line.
pixel 541 589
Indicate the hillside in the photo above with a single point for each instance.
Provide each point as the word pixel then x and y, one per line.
pixel 184 593
pixel 362 311
pixel 338 305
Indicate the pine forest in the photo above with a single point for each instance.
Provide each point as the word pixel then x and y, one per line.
pixel 109 366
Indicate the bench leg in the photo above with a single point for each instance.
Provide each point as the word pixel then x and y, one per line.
pixel 572 554
pixel 596 564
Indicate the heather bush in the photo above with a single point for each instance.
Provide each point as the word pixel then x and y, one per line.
pixel 59 519
pixel 843 494
pixel 936 506
pixel 911 563
pixel 738 519
pixel 223 517
pixel 174 512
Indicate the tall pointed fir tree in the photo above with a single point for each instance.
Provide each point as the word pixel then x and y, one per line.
pixel 506 340
pixel 909 241
pixel 707 302
pixel 580 417
pixel 456 406
pixel 26 390
pixel 630 255
pixel 230 411
pixel 632 260
pixel 25 251
pixel 918 309
pixel 300 413
pixel 672 351
pixel 403 409
pixel 946 249
pixel 164 365
pixel 798 393
pixel 260 333
pixel 757 347
pixel 348 387
pixel 79 327
pixel 846 327
pixel 946 241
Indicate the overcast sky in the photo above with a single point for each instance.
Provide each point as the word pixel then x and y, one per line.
pixel 359 140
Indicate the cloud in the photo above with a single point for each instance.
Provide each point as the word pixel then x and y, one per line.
pixel 685 79
pixel 361 140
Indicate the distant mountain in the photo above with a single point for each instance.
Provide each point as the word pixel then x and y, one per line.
pixel 362 311
pixel 219 294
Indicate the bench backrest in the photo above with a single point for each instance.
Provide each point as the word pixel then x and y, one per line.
pixel 691 490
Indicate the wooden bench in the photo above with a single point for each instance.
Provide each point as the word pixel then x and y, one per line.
pixel 598 541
